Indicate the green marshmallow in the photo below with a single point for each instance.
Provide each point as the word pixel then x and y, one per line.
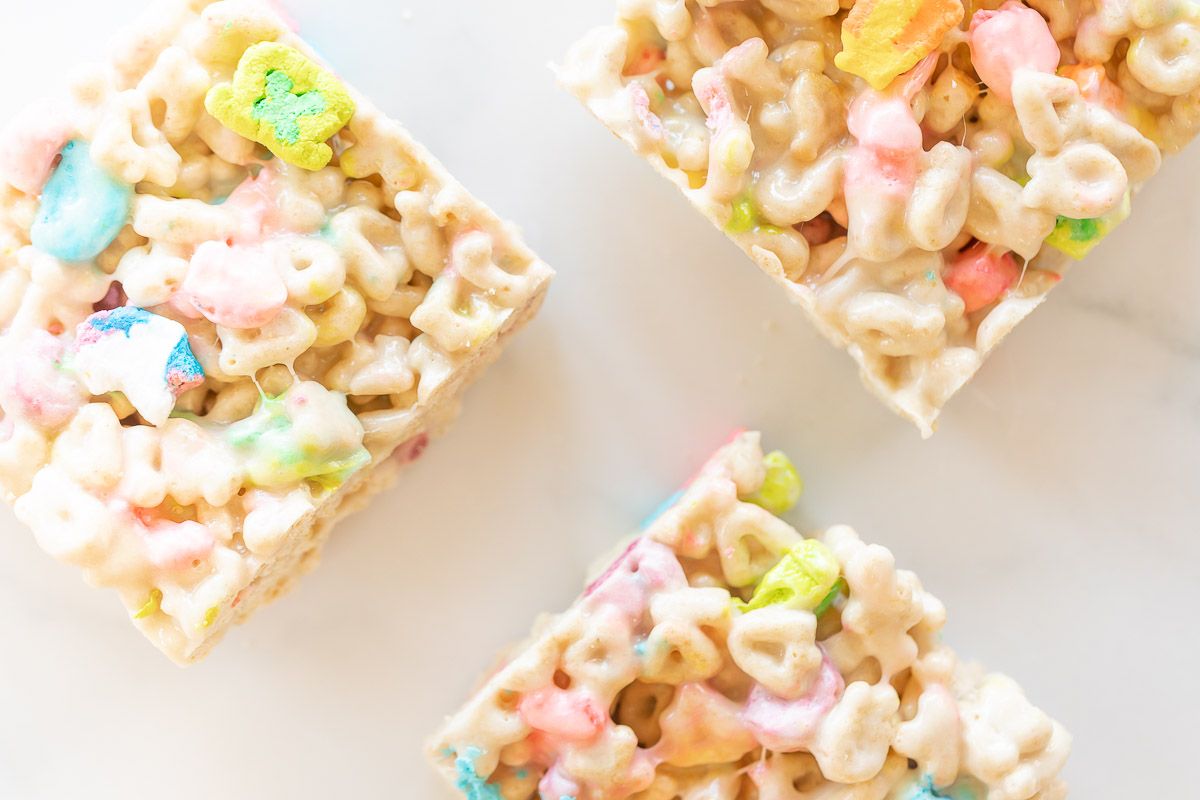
pixel 782 488
pixel 839 588
pixel 279 447
pixel 802 579
pixel 1077 237
pixel 285 101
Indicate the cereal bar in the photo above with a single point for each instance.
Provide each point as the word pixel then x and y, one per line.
pixel 916 174
pixel 723 656
pixel 234 299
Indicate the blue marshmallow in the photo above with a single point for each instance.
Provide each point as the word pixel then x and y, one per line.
pixel 83 207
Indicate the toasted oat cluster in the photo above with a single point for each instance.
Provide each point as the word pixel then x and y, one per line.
pixel 723 656
pixel 234 297
pixel 917 174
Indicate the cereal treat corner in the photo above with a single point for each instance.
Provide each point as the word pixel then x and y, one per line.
pixel 916 174
pixel 724 656
pixel 236 299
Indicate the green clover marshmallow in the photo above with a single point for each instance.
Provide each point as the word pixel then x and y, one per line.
pixel 803 579
pixel 285 102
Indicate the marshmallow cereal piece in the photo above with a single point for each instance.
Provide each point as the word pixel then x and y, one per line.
pixel 233 286
pixel 1077 237
pixel 35 386
pixel 1011 38
pixel 802 579
pixel 144 356
pixel 981 275
pixel 790 726
pixel 307 433
pixel 881 171
pixel 782 486
pixel 560 712
pixel 469 782
pixel 883 39
pixel 255 202
pixel 176 546
pixel 83 208
pixel 284 101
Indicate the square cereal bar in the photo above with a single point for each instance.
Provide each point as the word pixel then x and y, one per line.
pixel 723 656
pixel 916 174
pixel 236 298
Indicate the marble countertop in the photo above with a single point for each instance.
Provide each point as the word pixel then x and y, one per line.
pixel 1055 512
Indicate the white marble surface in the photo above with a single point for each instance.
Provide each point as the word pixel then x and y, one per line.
pixel 1055 513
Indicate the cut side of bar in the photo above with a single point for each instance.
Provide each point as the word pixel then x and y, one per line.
pixel 236 300
pixel 916 175
pixel 724 656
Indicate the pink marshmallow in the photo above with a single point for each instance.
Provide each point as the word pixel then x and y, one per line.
pixel 885 123
pixel 981 275
pixel 626 587
pixel 889 146
pixel 787 726
pixel 890 143
pixel 1008 40
pixel 234 286
pixel 563 714
pixel 177 545
pixel 255 203
pixel 33 385
pixel 30 145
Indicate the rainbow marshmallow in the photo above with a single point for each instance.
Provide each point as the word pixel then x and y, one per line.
pixel 142 355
